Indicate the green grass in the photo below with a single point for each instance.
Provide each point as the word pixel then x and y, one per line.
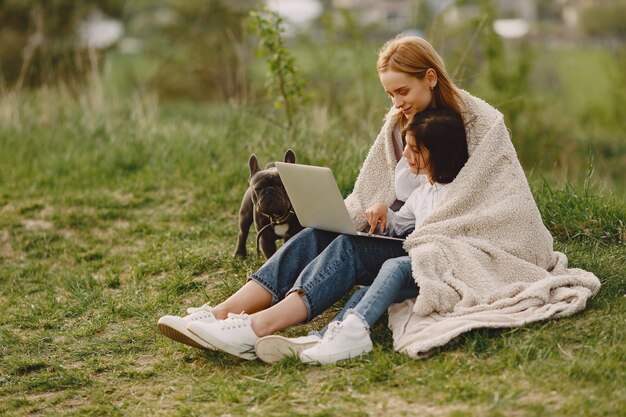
pixel 108 223
pixel 116 209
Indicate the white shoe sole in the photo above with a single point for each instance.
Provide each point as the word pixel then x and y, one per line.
pixel 331 358
pixel 171 327
pixel 217 343
pixel 274 348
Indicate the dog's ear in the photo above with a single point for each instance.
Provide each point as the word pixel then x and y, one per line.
pixel 290 157
pixel 253 163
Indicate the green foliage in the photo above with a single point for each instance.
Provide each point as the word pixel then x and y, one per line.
pixel 572 215
pixel 283 79
pixel 116 209
pixel 604 18
pixel 507 73
pixel 39 42
pixel 195 50
pixel 92 253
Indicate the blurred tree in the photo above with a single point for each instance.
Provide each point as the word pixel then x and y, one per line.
pixel 604 18
pixel 39 40
pixel 549 10
pixel 477 54
pixel 421 14
pixel 201 49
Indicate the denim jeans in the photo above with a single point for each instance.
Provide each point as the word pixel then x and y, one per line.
pixel 393 284
pixel 324 266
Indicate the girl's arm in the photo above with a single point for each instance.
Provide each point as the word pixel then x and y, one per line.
pixel 402 221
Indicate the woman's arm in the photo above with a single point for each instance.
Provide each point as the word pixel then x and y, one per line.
pixel 375 182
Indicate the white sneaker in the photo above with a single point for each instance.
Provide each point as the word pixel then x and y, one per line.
pixel 175 327
pixel 347 339
pixel 233 335
pixel 274 348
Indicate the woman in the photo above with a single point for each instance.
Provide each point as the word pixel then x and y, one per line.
pixel 301 280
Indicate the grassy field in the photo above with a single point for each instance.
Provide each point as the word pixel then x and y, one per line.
pixel 115 211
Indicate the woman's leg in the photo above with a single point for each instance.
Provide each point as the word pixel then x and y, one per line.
pixel 250 298
pixel 322 282
pixel 271 282
pixel 266 287
pixel 287 313
pixel 347 261
pixel 325 280
pixel 238 333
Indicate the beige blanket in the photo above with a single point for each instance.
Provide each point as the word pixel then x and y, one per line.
pixel 483 257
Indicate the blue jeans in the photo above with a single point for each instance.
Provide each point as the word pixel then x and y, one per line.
pixel 324 266
pixel 393 284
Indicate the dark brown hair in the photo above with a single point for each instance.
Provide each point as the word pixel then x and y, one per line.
pixel 442 133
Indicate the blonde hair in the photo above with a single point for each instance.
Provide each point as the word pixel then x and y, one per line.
pixel 414 56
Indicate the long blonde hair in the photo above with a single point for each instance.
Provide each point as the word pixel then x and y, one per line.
pixel 414 56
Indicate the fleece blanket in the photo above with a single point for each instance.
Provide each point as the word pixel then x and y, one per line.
pixel 483 257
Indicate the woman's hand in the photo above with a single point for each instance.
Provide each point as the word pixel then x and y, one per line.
pixel 377 216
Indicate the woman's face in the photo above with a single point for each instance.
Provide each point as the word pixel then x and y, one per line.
pixel 418 159
pixel 409 93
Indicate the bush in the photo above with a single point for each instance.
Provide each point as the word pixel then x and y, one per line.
pixel 39 42
pixel 604 18
pixel 200 50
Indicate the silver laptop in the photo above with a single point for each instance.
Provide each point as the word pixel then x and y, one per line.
pixel 316 199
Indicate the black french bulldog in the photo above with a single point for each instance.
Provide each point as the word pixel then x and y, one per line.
pixel 267 204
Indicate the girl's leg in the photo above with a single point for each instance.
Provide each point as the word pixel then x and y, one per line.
pixel 354 299
pixel 350 337
pixel 326 279
pixel 393 284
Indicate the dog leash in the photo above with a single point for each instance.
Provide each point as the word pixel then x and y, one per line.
pixel 273 222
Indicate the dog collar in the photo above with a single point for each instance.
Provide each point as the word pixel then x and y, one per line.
pixel 274 221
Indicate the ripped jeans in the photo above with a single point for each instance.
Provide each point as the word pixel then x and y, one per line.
pixel 325 266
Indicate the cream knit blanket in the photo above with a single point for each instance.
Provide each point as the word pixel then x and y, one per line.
pixel 483 257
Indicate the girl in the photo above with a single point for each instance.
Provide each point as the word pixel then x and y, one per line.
pixel 436 147
pixel 314 269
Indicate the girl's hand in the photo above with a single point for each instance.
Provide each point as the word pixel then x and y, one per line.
pixel 377 216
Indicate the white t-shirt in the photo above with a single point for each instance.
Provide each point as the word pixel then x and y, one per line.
pixel 417 206
pixel 405 181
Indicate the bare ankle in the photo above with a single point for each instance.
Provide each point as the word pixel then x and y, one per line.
pixel 260 327
pixel 220 313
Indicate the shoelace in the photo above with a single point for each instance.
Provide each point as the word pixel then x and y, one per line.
pixel 333 328
pixel 199 313
pixel 236 320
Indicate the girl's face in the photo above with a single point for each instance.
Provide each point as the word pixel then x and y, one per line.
pixel 409 93
pixel 418 159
